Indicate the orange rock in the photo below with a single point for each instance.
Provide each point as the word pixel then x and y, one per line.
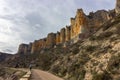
pixel 58 38
pixel 78 23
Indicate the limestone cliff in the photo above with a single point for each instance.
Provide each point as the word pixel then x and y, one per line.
pixel 57 38
pixel 81 26
pixel 117 9
pixel 37 45
pixel 93 55
pixel 51 40
pixel 96 58
pixel 78 24
pixel 67 33
pixel 62 35
pixel 23 49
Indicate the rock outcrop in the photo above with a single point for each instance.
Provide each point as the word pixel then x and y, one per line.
pixel 96 58
pixel 117 9
pixel 80 28
pixel 78 25
pixel 95 54
pixel 51 40
pixel 67 33
pixel 4 56
pixel 23 49
pixel 62 35
pixel 57 38
pixel 38 45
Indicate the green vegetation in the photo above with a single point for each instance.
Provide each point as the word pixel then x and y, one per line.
pixel 102 36
pixel 75 50
pixel 11 73
pixel 114 64
pixel 103 76
pixel 91 48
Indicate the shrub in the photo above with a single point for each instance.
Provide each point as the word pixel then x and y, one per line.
pixel 118 30
pixel 114 64
pixel 103 76
pixel 75 50
pixel 92 38
pixel 104 35
pixel 91 48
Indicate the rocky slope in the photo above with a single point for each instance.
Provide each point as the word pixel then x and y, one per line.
pixel 97 58
pixel 10 74
pixel 4 56
pixel 94 58
pixel 93 52
pixel 81 26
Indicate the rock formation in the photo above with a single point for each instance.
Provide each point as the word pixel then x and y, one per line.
pixel 117 9
pixel 23 49
pixel 98 18
pixel 38 45
pixel 94 56
pixel 57 38
pixel 67 33
pixel 80 27
pixel 51 40
pixel 62 35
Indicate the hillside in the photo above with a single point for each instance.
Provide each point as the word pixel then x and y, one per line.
pixel 87 49
pixel 95 58
pixel 4 56
pixel 98 57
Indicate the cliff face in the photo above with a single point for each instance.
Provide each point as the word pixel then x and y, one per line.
pixel 117 9
pixel 95 54
pixel 51 40
pixel 58 38
pixel 96 58
pixel 78 25
pixel 38 45
pixel 67 33
pixel 62 35
pixel 4 56
pixel 96 19
pixel 80 28
pixel 23 49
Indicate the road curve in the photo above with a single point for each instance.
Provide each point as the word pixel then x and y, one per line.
pixel 42 75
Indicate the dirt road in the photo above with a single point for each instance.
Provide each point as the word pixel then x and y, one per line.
pixel 42 75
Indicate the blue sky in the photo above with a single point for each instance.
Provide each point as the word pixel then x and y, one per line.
pixel 23 21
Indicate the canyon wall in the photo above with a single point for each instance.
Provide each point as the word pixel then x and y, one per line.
pixel 81 26
pixel 68 33
pixel 62 35
pixel 57 38
pixel 23 49
pixel 117 9
pixel 51 40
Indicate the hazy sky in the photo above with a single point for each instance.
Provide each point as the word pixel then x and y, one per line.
pixel 23 21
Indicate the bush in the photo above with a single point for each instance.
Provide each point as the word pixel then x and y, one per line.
pixel 91 48
pixel 118 30
pixel 92 38
pixel 114 64
pixel 104 35
pixel 102 76
pixel 75 50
